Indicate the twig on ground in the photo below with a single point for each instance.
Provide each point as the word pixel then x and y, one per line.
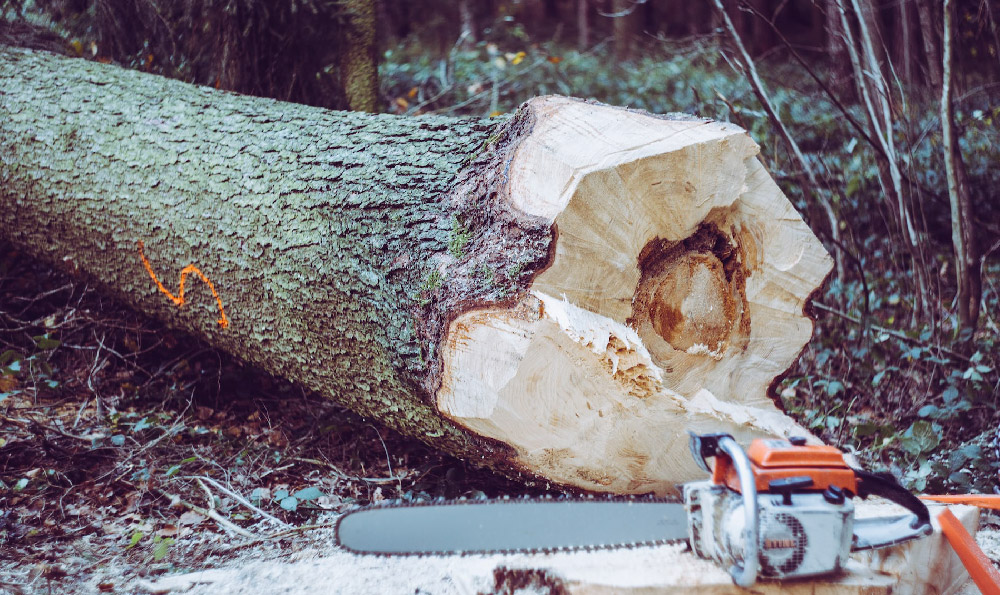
pixel 79 412
pixel 94 369
pixel 342 475
pixel 275 470
pixel 239 499
pixel 212 514
pixel 388 462
pixel 87 439
pixel 279 535
pixel 209 496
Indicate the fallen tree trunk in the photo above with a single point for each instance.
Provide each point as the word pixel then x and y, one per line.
pixel 563 293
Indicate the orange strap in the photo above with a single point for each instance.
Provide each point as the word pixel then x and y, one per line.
pixel 980 568
pixel 980 500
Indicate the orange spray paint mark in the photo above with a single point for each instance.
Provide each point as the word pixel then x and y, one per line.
pixel 179 298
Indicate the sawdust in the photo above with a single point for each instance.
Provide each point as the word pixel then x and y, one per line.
pixel 338 572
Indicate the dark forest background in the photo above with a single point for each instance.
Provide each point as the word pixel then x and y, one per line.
pixel 879 119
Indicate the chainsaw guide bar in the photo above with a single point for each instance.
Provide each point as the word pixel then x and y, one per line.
pixel 507 526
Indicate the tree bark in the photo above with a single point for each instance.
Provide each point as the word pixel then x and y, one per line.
pixel 562 294
pixel 468 35
pixel 624 28
pixel 967 269
pixel 359 59
pixel 925 12
pixel 836 53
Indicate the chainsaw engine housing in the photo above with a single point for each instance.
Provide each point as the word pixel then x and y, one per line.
pixel 811 535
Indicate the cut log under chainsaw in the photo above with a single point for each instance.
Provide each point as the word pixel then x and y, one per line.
pixel 562 294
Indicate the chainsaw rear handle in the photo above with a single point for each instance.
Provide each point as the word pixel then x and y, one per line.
pixel 886 486
pixel 711 445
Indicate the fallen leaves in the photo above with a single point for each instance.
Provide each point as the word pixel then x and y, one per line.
pixel 191 519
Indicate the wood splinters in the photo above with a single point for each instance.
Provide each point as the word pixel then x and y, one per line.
pixel 179 298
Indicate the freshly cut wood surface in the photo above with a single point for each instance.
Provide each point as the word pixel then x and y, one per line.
pixel 673 301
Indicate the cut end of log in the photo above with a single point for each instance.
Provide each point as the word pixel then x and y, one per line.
pixel 674 298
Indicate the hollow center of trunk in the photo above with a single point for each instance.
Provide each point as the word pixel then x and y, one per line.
pixel 691 292
pixel 692 303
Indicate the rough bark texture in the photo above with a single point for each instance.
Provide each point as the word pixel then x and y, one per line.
pixel 322 232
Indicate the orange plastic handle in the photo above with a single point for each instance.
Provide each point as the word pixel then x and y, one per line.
pixel 980 568
pixel 980 500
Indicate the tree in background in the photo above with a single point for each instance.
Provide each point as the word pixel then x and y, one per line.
pixel 968 271
pixel 359 59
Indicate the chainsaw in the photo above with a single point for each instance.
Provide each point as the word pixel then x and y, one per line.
pixel 781 509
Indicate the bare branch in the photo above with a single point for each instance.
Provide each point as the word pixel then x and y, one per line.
pixel 812 185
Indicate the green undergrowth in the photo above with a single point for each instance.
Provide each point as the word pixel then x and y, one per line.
pixel 912 401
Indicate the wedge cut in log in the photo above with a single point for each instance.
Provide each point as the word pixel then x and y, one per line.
pixel 562 294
